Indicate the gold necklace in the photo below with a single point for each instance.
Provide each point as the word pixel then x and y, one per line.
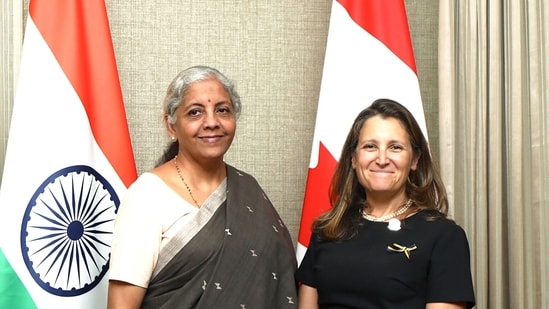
pixel 398 212
pixel 184 182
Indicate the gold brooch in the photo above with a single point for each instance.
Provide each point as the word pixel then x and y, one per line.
pixel 399 248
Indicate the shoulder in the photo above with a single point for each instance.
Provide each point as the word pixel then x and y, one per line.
pixel 145 181
pixel 434 223
pixel 317 239
pixel 237 172
pixel 436 218
pixel 147 189
pixel 236 175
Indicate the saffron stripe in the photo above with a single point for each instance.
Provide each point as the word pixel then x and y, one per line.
pixel 69 27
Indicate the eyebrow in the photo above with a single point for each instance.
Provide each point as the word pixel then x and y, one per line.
pixel 202 104
pixel 373 140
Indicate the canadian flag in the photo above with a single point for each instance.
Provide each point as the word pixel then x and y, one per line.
pixel 69 160
pixel 369 55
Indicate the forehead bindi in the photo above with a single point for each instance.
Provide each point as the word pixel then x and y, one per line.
pixel 206 92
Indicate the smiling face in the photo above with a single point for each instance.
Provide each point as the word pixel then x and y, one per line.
pixel 206 121
pixel 383 157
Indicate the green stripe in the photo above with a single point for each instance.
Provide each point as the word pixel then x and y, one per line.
pixel 12 291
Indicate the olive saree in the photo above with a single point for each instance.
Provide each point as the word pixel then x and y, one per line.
pixel 236 253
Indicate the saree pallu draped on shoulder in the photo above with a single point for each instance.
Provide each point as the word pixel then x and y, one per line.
pixel 242 256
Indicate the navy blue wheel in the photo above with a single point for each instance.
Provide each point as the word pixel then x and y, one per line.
pixel 67 230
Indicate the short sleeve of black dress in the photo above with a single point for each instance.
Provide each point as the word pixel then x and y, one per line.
pixel 449 278
pixel 305 272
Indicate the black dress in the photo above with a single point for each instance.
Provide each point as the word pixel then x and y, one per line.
pixel 363 273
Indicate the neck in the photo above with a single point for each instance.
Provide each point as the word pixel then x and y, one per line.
pixel 385 217
pixel 379 206
pixel 202 171
pixel 201 179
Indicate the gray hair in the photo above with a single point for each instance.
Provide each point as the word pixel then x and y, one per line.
pixel 181 83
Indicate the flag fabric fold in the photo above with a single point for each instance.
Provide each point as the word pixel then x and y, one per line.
pixel 369 55
pixel 69 160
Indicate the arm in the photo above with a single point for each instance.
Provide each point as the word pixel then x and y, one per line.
pixel 450 277
pixel 123 295
pixel 308 297
pixel 445 306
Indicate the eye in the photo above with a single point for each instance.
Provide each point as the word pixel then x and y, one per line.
pixel 194 112
pixel 369 147
pixel 397 147
pixel 225 109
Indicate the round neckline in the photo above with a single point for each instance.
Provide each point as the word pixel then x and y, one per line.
pixel 414 215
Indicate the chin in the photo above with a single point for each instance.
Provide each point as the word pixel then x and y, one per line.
pixel 382 189
pixel 214 154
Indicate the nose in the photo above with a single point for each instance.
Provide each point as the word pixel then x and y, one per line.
pixel 382 157
pixel 211 120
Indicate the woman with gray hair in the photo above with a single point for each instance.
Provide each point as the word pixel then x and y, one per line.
pixel 195 232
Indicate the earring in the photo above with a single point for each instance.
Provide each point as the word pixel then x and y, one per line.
pixel 173 138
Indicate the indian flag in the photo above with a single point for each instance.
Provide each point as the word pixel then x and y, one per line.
pixel 368 56
pixel 69 159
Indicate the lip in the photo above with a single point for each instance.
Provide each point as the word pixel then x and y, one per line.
pixel 381 172
pixel 211 139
